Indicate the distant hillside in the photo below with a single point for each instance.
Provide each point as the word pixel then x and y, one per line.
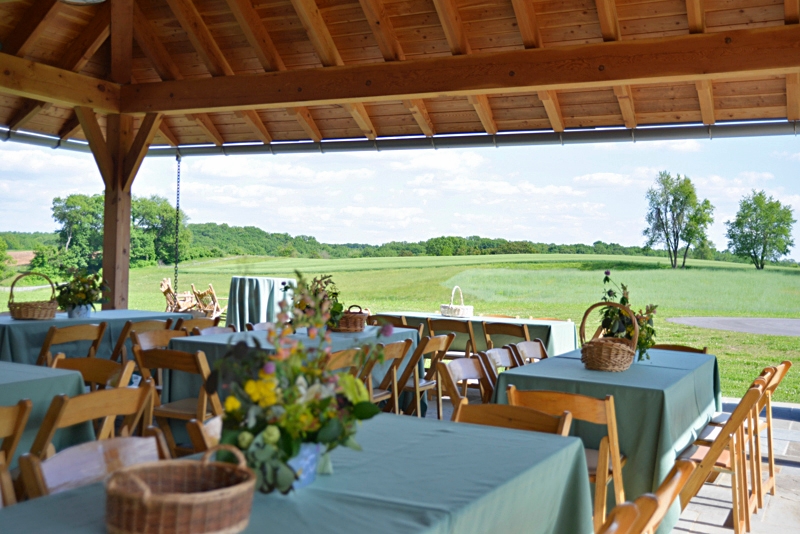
pixel 28 240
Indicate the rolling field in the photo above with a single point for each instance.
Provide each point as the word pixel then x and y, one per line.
pixel 560 286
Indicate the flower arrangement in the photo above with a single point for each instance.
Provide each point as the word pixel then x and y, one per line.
pixel 82 290
pixel 321 288
pixel 618 324
pixel 278 401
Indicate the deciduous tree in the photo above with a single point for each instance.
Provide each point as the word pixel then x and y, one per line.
pixel 762 230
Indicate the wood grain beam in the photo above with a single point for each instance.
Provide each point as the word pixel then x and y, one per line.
pixel 793 96
pixel 526 22
pixel 203 42
pixel 88 41
pixel 28 79
pixel 382 30
pixel 360 115
pixel 705 94
pixel 167 134
pixel 256 125
pixel 686 58
pixel 94 135
pixel 696 13
pixel 29 110
pixel 138 149
pixel 484 111
pixel 553 109
pixel 152 46
pixel 121 40
pixel 70 128
pixel 450 20
pixel 30 27
pixel 791 10
pixel 609 22
pixel 256 34
pixel 625 98
pixel 209 128
pixel 420 113
pixel 317 32
pixel 306 121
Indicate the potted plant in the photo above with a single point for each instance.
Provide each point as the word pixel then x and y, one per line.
pixel 79 295
pixel 617 324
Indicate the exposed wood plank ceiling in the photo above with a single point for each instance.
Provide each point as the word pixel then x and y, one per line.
pixel 185 41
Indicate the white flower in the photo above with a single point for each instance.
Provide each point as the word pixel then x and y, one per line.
pixel 318 392
pixel 302 385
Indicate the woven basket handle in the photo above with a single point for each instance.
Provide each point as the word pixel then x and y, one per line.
pixel 625 309
pixel 228 448
pixel 453 295
pixel 132 477
pixel 360 310
pixel 23 275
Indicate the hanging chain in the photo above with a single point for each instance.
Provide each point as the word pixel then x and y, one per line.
pixel 177 220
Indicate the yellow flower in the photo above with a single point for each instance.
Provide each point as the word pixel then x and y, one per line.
pixel 262 391
pixel 232 404
pixel 353 388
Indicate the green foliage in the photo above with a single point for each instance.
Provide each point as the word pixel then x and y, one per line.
pixel 675 216
pixel 28 240
pixel 5 260
pixel 617 323
pixel 762 230
pixel 83 289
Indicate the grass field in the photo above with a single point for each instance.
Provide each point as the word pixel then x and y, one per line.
pixel 560 286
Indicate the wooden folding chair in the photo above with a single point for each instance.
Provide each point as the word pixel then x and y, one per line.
pixel 493 360
pixel 388 388
pixel 87 463
pixel 621 520
pixel 209 303
pixel 203 407
pixel 592 410
pixel 395 321
pixel 506 416
pixel 120 352
pixel 204 435
pixel 187 325
pixel 518 331
pixel 410 380
pixel 526 352
pixel 680 348
pixel 213 330
pixel 463 369
pixel 179 303
pixel 70 334
pixel 454 326
pixel 344 360
pixel 725 455
pixel 97 373
pixel 259 327
pixel 653 507
pixel 12 424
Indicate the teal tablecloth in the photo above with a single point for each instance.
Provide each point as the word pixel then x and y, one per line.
pixel 661 405
pixel 254 300
pixel 21 341
pixel 471 480
pixel 40 385
pixel 558 336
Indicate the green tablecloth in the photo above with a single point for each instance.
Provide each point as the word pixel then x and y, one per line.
pixel 40 385
pixel 21 341
pixel 558 336
pixel 472 479
pixel 254 300
pixel 661 405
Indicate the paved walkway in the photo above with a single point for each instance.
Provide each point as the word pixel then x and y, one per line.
pixel 752 325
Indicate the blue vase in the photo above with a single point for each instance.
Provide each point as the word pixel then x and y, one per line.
pixel 79 312
pixel 305 464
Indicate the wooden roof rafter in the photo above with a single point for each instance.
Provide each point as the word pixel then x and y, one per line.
pixel 31 26
pixel 609 27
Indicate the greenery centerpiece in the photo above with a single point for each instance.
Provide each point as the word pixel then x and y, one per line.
pixel 283 408
pixel 79 295
pixel 615 323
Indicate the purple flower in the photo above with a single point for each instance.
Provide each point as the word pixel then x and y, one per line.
pixel 269 368
pixel 608 273
pixel 387 330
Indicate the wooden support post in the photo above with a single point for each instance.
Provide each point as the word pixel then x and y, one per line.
pixel 793 96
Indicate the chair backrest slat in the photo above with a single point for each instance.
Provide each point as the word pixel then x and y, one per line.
pixel 176 360
pixel 526 351
pixel 621 520
pixel 653 507
pixel 97 372
pixel 581 407
pixel 456 327
pixel 119 352
pixel 344 359
pixel 155 339
pixel 519 331
pixel 12 424
pixel 70 334
pixel 190 324
pixel 518 417
pixel 213 330
pixel 436 345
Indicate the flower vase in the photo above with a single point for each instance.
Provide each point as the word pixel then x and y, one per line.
pixel 79 312
pixel 305 464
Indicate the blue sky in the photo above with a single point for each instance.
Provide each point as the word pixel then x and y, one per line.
pixel 560 194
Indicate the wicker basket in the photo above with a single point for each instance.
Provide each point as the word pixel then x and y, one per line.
pixel 608 353
pixel 181 496
pixel 352 321
pixel 455 310
pixel 34 310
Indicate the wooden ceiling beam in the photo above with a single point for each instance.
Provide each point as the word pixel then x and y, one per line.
pixel 30 27
pixel 360 115
pixel 167 133
pixel 29 110
pixel 453 28
pixel 303 116
pixel 526 22
pixel 420 113
pixel 793 96
pixel 791 10
pixel 484 111
pixel 696 13
pixel 383 30
pixel 705 94
pixel 70 128
pixel 203 42
pixel 625 99
pixel 209 128
pixel 94 135
pixel 609 22
pixel 121 40
pixel 256 34
pixel 317 31
pixel 138 149
pixel 553 109
pixel 256 125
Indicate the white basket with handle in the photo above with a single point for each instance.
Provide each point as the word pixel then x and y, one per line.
pixel 455 310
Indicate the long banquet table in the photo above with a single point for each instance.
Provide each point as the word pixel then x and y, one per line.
pixel 558 336
pixel 660 404
pixel 21 341
pixel 472 479
pixel 40 385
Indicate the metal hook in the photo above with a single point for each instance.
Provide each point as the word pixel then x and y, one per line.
pixel 177 154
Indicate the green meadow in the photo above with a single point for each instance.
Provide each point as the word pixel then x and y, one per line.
pixel 560 286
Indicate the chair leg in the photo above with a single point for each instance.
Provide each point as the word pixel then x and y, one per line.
pixel 163 424
pixel 439 397
pixel 770 485
pixel 600 491
pixel 741 469
pixel 735 493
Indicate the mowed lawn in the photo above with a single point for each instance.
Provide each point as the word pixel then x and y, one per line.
pixel 561 286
